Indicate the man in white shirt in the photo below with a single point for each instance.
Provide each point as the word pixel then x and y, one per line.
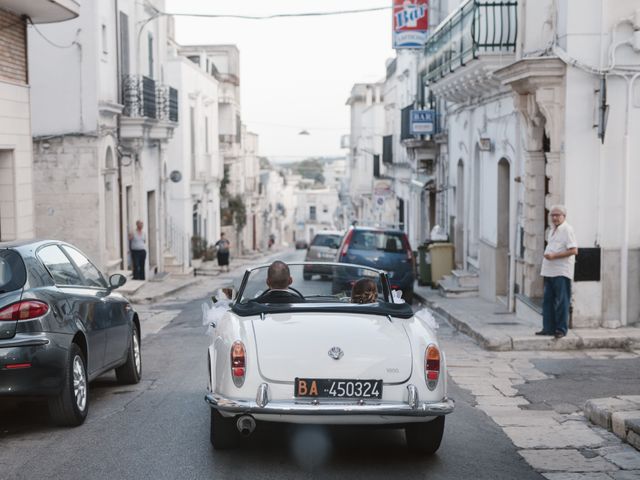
pixel 557 270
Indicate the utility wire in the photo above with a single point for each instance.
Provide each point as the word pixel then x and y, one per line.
pixel 278 15
pixel 49 41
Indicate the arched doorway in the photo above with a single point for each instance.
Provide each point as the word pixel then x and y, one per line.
pixel 459 225
pixel 503 227
pixel 110 207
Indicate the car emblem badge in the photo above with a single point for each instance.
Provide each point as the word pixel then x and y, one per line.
pixel 336 353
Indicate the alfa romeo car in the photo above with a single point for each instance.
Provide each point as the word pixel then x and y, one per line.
pixel 321 359
pixel 62 325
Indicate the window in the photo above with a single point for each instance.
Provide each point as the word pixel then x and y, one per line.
pixel 325 209
pixel 376 166
pixel 372 240
pixel 105 49
pixel 59 266
pixel 405 130
pixel 206 134
pixel 387 149
pixel 150 53
pixel 312 212
pixel 92 277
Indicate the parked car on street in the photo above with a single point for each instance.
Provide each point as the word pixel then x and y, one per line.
pixel 322 359
pixel 323 248
pixel 384 249
pixel 61 326
pixel 301 244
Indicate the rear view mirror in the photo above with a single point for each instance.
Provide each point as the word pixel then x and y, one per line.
pixel 117 280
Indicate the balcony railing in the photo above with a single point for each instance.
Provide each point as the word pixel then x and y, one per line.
pixel 476 28
pixel 144 99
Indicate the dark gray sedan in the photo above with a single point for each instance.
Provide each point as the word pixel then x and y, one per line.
pixel 61 326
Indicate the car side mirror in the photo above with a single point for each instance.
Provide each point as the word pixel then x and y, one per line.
pixel 117 280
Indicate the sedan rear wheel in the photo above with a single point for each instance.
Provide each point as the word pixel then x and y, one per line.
pixel 224 434
pixel 425 437
pixel 131 371
pixel 69 408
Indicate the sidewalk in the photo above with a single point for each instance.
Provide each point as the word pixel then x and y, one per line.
pixel 494 328
pixel 149 291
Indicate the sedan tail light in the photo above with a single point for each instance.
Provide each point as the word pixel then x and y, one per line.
pixel 432 366
pixel 238 363
pixel 24 310
pixel 345 245
pixel 407 247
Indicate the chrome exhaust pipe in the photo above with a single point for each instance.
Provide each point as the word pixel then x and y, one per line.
pixel 246 425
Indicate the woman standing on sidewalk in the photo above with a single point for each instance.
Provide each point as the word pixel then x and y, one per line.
pixel 222 246
pixel 138 247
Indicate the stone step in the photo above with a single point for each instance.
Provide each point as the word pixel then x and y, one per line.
pixel 466 278
pixel 449 288
pixel 177 268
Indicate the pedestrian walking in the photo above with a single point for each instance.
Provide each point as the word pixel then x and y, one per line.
pixel 138 249
pixel 222 247
pixel 557 270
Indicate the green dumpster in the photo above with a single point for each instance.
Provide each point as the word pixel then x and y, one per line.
pixel 424 264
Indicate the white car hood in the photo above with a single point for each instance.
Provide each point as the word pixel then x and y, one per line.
pixel 297 345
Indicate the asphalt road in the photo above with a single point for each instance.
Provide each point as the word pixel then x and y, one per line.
pixel 159 429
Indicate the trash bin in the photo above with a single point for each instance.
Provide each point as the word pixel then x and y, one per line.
pixel 441 261
pixel 424 264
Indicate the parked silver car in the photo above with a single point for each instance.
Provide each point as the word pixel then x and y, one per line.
pixel 323 248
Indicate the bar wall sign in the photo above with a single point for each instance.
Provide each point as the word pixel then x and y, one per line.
pixel 422 122
pixel 410 23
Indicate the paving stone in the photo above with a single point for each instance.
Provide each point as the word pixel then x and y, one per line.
pixel 619 421
pixel 484 390
pixel 565 461
pixel 626 475
pixel 627 459
pixel 506 390
pixel 560 436
pixel 526 418
pixel 634 440
pixel 565 408
pixel 577 476
pixel 502 401
pixel 630 398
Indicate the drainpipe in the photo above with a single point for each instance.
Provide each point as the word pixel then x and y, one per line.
pixel 624 253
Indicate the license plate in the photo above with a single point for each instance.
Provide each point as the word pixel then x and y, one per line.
pixel 329 388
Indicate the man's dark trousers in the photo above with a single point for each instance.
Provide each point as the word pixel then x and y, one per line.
pixel 555 304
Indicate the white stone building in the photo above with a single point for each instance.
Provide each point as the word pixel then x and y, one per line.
pixel 525 131
pixel 103 114
pixel 193 203
pixel 316 210
pixel 16 147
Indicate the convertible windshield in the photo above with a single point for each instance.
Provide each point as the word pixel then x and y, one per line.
pixel 335 284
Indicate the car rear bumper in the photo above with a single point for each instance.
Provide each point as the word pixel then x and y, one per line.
pixel 32 365
pixel 331 408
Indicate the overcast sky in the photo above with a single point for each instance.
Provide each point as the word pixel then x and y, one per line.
pixel 295 73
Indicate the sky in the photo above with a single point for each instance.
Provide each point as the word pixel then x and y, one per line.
pixel 295 73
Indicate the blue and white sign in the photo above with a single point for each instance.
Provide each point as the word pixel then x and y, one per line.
pixel 422 122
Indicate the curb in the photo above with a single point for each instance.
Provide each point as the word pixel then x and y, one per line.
pixel 154 298
pixel 620 415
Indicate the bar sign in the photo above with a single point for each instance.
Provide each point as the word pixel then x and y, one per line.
pixel 422 122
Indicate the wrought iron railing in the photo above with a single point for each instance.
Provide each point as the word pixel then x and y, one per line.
pixel 476 28
pixel 143 98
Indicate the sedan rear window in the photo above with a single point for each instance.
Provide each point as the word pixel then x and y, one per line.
pixel 372 240
pixel 331 241
pixel 13 274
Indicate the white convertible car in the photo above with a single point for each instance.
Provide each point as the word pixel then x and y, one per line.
pixel 320 359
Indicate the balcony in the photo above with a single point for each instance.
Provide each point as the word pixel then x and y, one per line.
pixel 43 11
pixel 466 48
pixel 150 110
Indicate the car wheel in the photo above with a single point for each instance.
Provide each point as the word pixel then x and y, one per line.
pixel 306 276
pixel 224 434
pixel 131 371
pixel 69 408
pixel 425 437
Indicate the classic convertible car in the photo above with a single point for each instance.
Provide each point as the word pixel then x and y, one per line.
pixel 321 359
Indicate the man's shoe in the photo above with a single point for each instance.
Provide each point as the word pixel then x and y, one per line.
pixel 559 334
pixel 542 332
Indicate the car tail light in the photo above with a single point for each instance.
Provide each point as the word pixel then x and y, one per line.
pixel 25 310
pixel 407 247
pixel 238 363
pixel 432 366
pixel 345 245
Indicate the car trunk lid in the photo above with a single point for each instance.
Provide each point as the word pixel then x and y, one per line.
pixel 298 345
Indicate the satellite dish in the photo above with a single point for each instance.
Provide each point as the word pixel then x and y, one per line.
pixel 175 176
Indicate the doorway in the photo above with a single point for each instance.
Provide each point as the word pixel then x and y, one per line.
pixel 152 231
pixel 459 224
pixel 502 211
